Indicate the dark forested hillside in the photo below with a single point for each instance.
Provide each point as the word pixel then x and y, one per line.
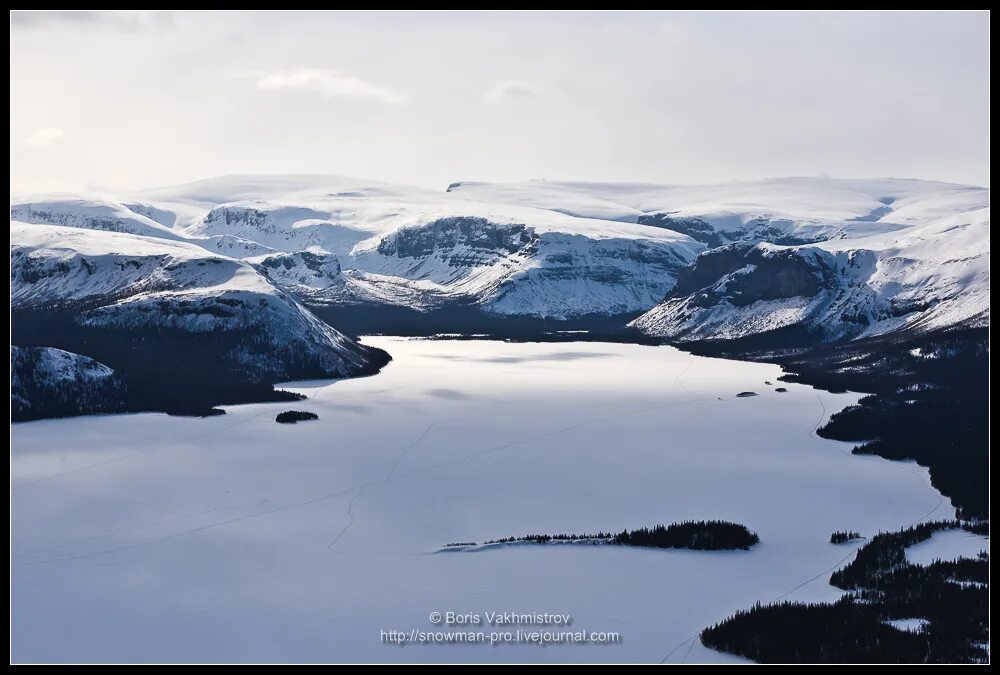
pixel 950 597
pixel 164 369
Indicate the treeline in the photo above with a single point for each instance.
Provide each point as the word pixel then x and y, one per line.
pixel 547 538
pixel 952 596
pixel 977 527
pixel 846 631
pixel 844 536
pixel 933 409
pixel 700 535
pixel 884 555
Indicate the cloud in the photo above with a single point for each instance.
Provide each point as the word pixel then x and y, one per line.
pixel 329 84
pixel 44 138
pixel 119 19
pixel 512 90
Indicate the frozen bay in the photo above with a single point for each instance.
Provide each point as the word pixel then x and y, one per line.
pixel 233 538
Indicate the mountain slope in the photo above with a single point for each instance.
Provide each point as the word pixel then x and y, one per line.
pixel 93 214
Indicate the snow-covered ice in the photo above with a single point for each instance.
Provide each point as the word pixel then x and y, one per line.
pixel 233 538
pixel 908 625
pixel 947 545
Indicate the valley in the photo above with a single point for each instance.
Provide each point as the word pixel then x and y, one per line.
pixel 530 357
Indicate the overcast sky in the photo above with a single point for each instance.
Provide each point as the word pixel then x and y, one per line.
pixel 118 101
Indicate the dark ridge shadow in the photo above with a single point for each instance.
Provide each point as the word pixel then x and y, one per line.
pixel 538 358
pixel 447 394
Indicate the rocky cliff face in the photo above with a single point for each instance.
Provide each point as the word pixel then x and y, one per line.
pixel 758 229
pixel 573 276
pixel 311 275
pixel 515 269
pixel 277 227
pixel 466 242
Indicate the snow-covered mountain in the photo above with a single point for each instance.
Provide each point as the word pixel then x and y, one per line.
pixel 923 277
pixel 844 258
pixel 825 257
pixel 528 267
pixel 153 289
pixel 409 247
pixel 311 274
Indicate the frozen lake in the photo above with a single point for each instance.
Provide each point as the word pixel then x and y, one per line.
pixel 233 538
pixel 947 545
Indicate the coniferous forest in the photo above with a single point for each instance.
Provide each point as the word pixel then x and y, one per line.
pixel 950 596
pixel 711 535
pixel 293 416
pixel 844 536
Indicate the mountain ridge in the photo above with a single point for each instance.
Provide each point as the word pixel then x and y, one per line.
pixel 285 260
pixel 590 248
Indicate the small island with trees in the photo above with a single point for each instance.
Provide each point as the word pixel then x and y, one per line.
pixel 293 416
pixel 701 535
